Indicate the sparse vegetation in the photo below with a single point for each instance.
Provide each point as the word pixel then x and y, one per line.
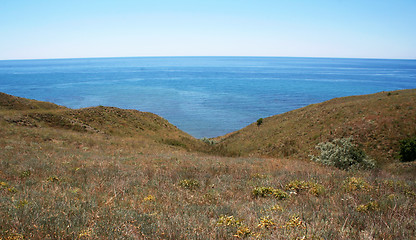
pixel 377 123
pixel 57 182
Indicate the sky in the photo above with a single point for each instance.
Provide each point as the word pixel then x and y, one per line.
pixel 42 29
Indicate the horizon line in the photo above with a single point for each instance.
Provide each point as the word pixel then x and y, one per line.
pixel 202 56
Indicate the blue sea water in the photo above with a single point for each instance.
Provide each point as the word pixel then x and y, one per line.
pixel 204 96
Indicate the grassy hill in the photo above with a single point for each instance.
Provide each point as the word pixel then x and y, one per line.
pixel 104 120
pixel 108 173
pixel 377 122
pixel 16 103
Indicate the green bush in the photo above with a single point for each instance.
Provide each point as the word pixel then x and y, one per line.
pixel 343 154
pixel 408 150
pixel 259 121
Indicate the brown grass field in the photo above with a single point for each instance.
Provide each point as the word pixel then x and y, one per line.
pixel 108 173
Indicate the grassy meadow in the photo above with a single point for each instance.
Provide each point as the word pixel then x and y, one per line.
pixel 107 173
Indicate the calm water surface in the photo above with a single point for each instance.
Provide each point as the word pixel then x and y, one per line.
pixel 204 96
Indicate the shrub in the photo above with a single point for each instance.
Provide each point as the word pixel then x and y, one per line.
pixel 356 183
pixel 149 198
pixel 269 191
pixel 370 206
pixel 208 141
pixel 408 150
pixel 279 194
pixel 343 154
pixel 312 188
pixel 266 222
pixel 294 222
pixel 242 231
pixel 259 121
pixel 262 191
pixel 229 221
pixel 189 184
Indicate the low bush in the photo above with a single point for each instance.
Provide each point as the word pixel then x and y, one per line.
pixel 343 154
pixel 262 191
pixel 208 141
pixel 408 150
pixel 356 183
pixel 242 231
pixel 269 191
pixel 311 187
pixel 191 184
pixel 369 207
pixel 229 221
pixel 259 121
pixel 294 222
pixel 266 222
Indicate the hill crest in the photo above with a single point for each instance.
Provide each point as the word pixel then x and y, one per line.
pixel 109 121
pixel 17 103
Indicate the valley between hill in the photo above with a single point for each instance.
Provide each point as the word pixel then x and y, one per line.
pixel 104 172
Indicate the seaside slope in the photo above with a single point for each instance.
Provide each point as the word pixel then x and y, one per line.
pixel 107 121
pixel 109 173
pixel 376 121
pixel 17 103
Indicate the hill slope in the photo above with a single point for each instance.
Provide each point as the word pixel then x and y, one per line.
pixel 108 173
pixel 102 120
pixel 377 122
pixel 17 103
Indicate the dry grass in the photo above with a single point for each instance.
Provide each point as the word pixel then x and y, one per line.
pixel 107 121
pixel 377 122
pixel 65 184
pixel 62 183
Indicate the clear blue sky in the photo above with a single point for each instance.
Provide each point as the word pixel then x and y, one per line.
pixel 309 28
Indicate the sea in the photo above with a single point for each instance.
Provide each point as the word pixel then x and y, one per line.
pixel 203 96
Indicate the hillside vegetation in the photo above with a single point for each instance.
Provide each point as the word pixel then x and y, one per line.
pixel 103 120
pixel 377 122
pixel 109 173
